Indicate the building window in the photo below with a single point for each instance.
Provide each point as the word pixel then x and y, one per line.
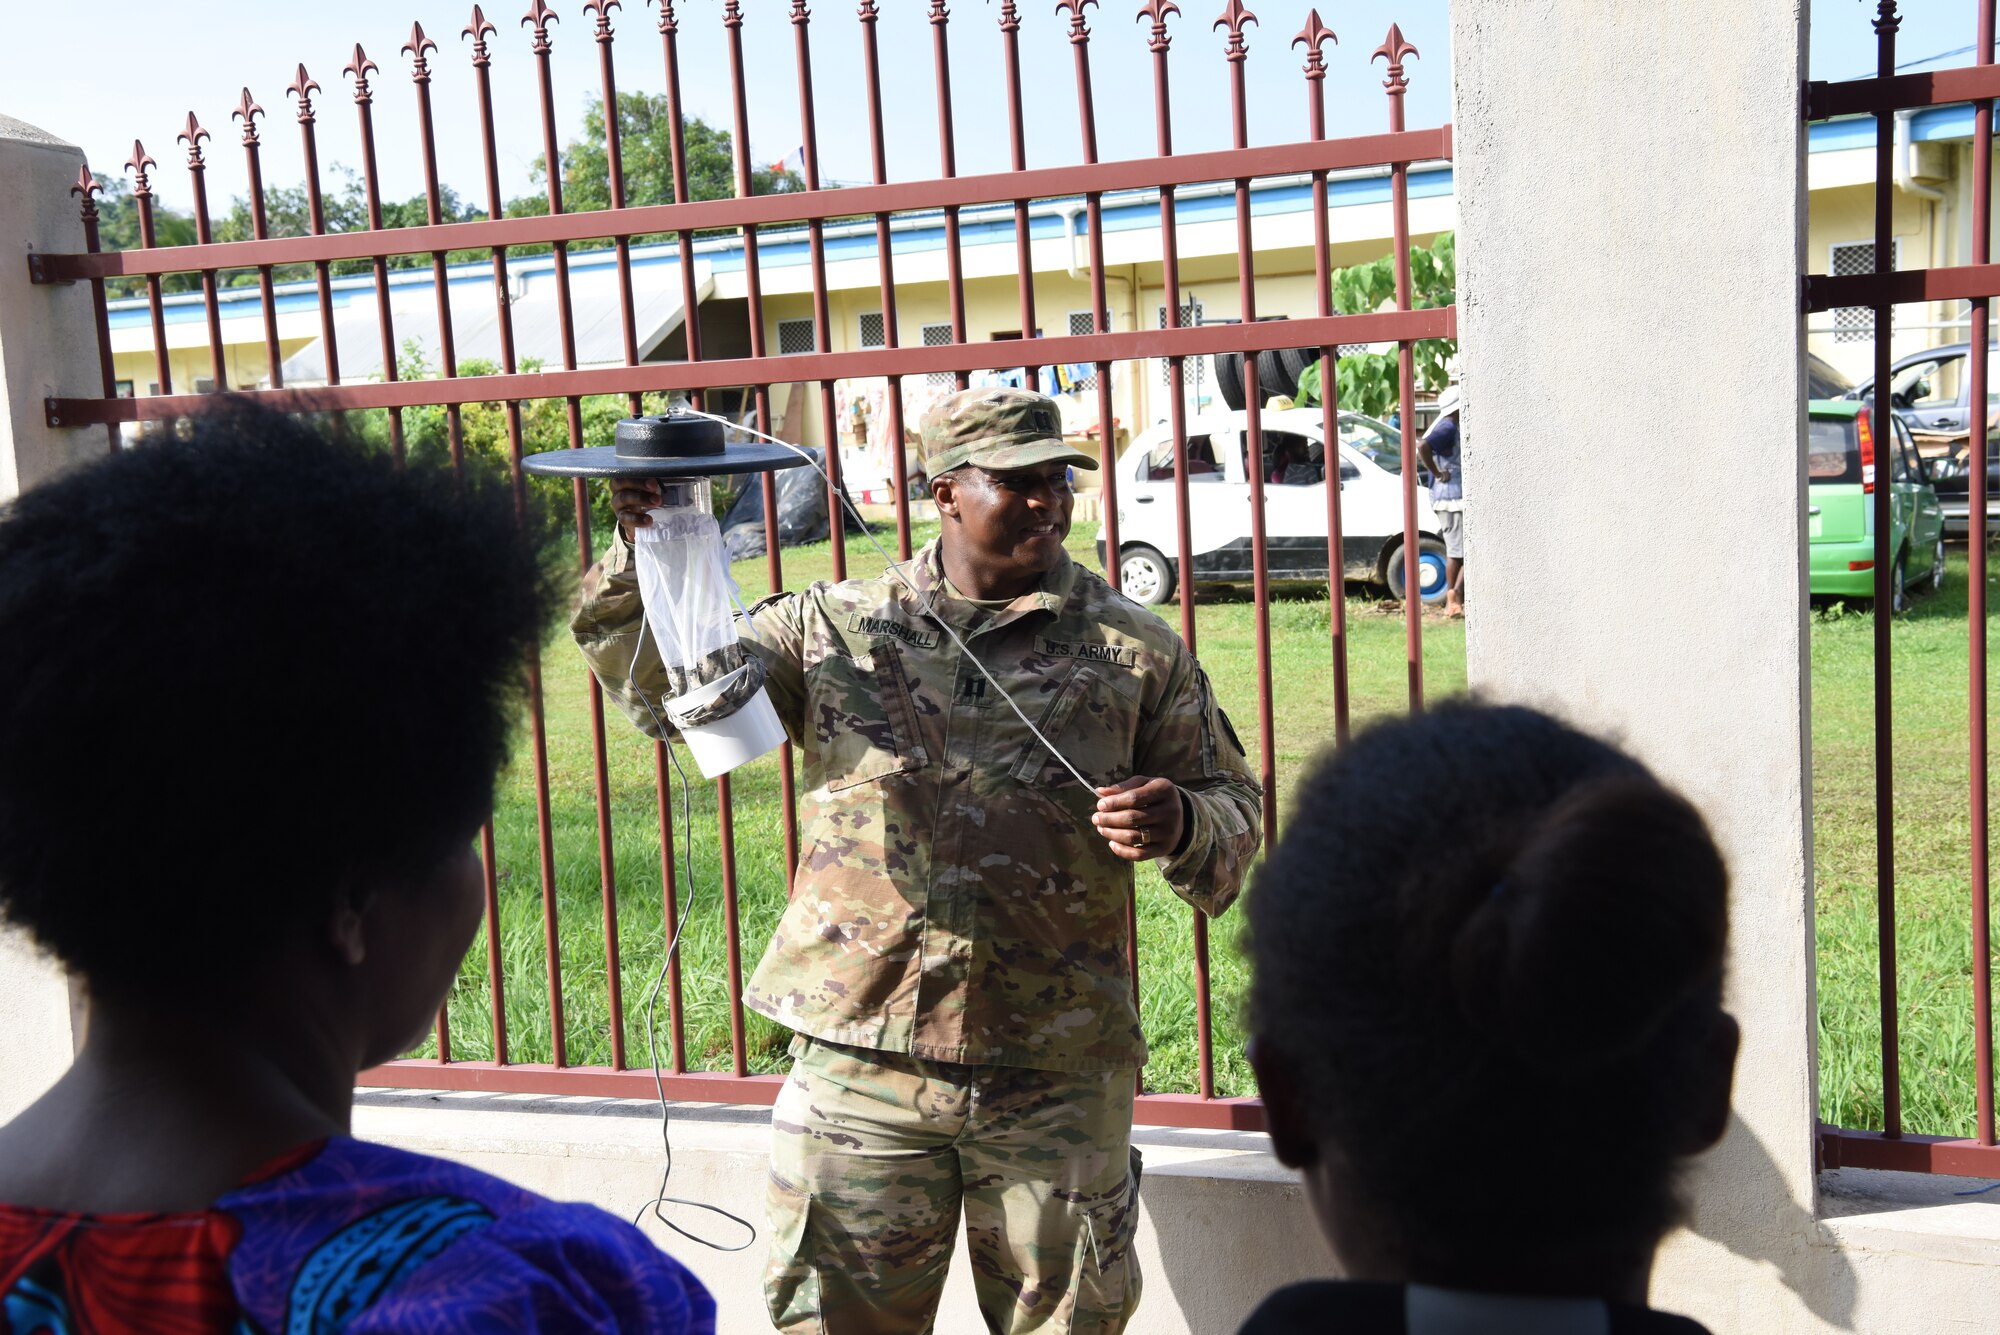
pixel 873 332
pixel 1193 368
pixel 937 336
pixel 795 337
pixel 122 388
pixel 1856 324
pixel 1080 322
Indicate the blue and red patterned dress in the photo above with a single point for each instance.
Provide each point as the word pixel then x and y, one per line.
pixel 345 1236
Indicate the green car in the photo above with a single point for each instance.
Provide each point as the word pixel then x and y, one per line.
pixel 1841 450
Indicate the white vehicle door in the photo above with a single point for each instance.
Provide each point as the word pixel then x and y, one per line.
pixel 1215 514
pixel 1294 503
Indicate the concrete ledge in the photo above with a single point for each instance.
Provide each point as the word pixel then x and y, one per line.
pixel 1221 1223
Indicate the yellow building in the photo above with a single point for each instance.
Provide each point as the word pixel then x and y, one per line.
pixel 1282 235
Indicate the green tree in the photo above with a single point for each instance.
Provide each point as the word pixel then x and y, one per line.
pixel 645 146
pixel 1368 379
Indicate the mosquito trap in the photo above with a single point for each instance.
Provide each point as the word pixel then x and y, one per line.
pixel 715 696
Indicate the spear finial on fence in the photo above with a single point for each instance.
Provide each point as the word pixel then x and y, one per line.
pixel 1157 11
pixel 800 14
pixel 1233 18
pixel 1395 49
pixel 137 164
pixel 477 31
pixel 602 8
pixel 540 15
pixel 1886 19
pixel 1315 35
pixel 732 14
pixel 416 46
pixel 303 86
pixel 867 11
pixel 192 137
pixel 668 24
pixel 1078 31
pixel 87 185
pixel 248 111
pixel 939 14
pixel 1010 17
pixel 357 69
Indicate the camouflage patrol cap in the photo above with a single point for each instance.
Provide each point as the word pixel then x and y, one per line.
pixel 997 428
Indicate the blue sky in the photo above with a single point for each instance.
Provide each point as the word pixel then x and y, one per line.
pixel 103 74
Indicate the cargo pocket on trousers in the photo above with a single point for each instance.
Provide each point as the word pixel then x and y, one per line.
pixel 1106 1282
pixel 791 1275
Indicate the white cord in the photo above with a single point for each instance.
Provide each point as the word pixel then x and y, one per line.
pixel 897 568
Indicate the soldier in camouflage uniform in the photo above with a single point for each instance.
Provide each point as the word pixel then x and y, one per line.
pixel 953 958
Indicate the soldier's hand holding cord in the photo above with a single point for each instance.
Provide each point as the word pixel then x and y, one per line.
pixel 1141 818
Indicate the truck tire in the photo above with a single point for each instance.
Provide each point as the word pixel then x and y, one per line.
pixel 1229 378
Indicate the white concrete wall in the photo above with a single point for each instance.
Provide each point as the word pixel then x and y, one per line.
pixel 48 345
pixel 1631 193
pixel 48 337
pixel 1220 1223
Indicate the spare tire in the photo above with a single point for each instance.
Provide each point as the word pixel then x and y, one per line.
pixel 1229 378
pixel 1295 361
pixel 1271 377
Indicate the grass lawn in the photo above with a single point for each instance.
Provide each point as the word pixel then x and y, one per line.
pixel 1301 655
pixel 1932 824
pixel 1932 841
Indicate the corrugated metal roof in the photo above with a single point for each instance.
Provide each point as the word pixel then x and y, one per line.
pixel 535 312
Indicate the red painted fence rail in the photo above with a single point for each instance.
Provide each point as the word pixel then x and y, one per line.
pixel 1392 149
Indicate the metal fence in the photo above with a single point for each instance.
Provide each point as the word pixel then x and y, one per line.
pixel 1315 155
pixel 1882 97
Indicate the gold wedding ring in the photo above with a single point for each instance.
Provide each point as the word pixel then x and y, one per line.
pixel 1142 840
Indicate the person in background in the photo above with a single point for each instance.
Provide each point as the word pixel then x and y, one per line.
pixel 1440 451
pixel 1551 975
pixel 244 756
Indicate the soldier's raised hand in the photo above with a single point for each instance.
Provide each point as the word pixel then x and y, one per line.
pixel 631 497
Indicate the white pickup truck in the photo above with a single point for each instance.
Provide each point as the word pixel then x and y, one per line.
pixel 1295 515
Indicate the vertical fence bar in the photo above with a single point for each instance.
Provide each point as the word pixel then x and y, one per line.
pixel 732 22
pixel 482 68
pixel 1159 43
pixel 822 316
pixel 954 262
pixel 669 30
pixel 364 100
pixel 1236 53
pixel 247 111
pixel 1314 36
pixel 670 909
pixel 302 87
pixel 1886 448
pixel 1396 50
pixel 539 16
pixel 1017 145
pixel 87 186
pixel 621 245
pixel 1975 536
pixel 142 199
pixel 878 163
pixel 1100 308
pixel 420 76
pixel 496 983
pixel 203 234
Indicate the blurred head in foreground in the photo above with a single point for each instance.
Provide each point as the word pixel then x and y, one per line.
pixel 254 688
pixel 1487 1003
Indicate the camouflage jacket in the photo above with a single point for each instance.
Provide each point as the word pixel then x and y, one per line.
pixel 953 900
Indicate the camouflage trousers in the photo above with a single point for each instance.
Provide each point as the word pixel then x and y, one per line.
pixel 873 1155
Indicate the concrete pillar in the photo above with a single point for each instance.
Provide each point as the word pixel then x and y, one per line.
pixel 1631 190
pixel 48 338
pixel 48 344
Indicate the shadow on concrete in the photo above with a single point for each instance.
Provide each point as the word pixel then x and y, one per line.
pixel 1744 1202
